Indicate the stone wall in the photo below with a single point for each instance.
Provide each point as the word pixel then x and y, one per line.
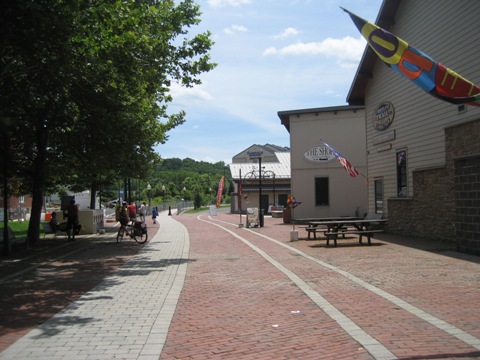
pixel 430 213
pixel 446 201
pixel 467 197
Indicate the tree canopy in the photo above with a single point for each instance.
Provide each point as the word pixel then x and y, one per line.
pixel 85 86
pixel 188 179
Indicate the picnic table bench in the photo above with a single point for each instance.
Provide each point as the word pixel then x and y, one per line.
pixel 362 227
pixel 334 235
pixel 314 229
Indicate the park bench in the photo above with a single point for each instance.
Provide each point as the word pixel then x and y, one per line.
pixel 12 239
pixel 47 229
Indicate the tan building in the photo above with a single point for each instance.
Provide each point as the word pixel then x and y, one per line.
pixel 424 153
pixel 319 181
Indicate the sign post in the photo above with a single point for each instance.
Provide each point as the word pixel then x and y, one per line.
pixel 257 155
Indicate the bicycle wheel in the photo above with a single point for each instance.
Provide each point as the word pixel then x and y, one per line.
pixel 141 238
pixel 120 234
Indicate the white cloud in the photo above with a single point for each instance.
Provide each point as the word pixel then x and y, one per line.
pixel 221 3
pixel 183 94
pixel 347 50
pixel 270 51
pixel 287 33
pixel 234 29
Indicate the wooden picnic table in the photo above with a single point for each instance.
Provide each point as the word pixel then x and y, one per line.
pixel 362 227
pixel 312 229
pixel 308 220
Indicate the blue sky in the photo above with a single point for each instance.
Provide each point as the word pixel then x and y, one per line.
pixel 272 55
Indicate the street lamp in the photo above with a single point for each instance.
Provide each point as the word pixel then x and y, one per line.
pixel 163 197
pixel 149 194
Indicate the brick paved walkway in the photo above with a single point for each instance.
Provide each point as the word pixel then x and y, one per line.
pixel 254 294
pixel 251 293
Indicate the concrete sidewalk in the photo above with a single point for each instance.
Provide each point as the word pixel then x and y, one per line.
pixel 112 321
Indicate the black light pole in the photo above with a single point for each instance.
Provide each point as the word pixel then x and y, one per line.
pixel 149 195
pixel 260 182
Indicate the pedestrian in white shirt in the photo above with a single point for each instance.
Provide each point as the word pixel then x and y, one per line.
pixel 142 211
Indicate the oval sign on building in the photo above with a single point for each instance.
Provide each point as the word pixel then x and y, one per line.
pixel 318 154
pixel 383 116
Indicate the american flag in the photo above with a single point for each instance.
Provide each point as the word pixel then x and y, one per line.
pixel 349 167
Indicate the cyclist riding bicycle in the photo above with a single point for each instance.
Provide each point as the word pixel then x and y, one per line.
pixel 124 219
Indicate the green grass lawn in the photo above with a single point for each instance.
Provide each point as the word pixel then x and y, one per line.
pixel 19 228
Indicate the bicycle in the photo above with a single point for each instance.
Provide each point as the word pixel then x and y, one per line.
pixel 138 231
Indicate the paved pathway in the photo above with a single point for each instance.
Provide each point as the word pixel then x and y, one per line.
pixel 126 316
pixel 253 294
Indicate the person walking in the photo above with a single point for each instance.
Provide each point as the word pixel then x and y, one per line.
pixel 142 211
pixel 132 211
pixel 72 220
pixel 154 215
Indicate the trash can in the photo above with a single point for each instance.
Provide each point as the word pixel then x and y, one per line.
pixel 261 217
pixel 287 215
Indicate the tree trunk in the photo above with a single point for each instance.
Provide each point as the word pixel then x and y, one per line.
pixel 38 185
pixel 93 193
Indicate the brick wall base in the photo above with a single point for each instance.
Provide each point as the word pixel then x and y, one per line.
pixel 446 203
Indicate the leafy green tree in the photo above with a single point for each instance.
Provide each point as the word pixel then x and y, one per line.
pixel 87 84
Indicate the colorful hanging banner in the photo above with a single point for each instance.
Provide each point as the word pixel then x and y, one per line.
pixel 292 203
pixel 220 191
pixel 430 75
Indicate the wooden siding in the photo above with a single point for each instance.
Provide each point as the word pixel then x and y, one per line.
pixel 442 29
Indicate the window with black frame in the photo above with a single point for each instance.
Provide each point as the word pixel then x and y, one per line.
pixel 401 173
pixel 378 196
pixel 321 191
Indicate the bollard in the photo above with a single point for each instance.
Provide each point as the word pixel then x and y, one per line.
pixel 169 211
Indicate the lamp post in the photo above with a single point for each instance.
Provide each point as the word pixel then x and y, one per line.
pixel 257 155
pixel 163 197
pixel 149 194
pixel 5 122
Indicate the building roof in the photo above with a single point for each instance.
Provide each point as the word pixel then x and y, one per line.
pixel 386 20
pixel 285 115
pixel 281 169
pixel 266 149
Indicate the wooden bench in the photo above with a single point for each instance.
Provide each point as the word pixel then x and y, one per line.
pixel 361 233
pixel 314 229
